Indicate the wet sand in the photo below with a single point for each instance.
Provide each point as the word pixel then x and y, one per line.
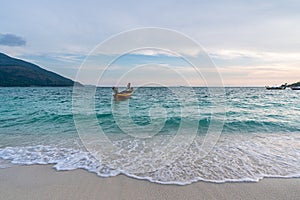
pixel 43 182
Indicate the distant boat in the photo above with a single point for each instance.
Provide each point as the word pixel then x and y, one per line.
pixel 282 87
pixel 295 88
pixel 124 94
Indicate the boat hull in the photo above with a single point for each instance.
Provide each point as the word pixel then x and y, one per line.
pixel 297 88
pixel 282 87
pixel 274 88
pixel 123 95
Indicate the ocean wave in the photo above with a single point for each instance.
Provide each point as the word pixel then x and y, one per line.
pixel 230 125
pixel 235 158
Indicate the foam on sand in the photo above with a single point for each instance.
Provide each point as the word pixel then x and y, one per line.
pixel 235 158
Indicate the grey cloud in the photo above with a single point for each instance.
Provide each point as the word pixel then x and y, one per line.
pixel 11 40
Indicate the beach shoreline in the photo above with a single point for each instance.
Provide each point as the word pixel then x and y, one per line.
pixel 43 182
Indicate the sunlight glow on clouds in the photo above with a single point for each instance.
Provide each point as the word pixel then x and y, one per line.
pixel 261 55
pixel 260 75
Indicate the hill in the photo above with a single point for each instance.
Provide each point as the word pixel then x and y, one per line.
pixel 295 84
pixel 19 73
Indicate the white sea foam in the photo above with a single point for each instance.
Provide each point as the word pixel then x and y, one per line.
pixel 235 158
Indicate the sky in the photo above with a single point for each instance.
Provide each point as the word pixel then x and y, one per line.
pixel 251 43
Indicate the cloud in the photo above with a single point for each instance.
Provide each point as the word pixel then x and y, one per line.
pixel 154 52
pixel 259 75
pixel 249 40
pixel 11 40
pixel 267 56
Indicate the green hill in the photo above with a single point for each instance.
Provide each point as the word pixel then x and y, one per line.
pixel 18 73
pixel 295 84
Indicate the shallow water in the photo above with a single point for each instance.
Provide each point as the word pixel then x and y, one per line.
pixel 260 137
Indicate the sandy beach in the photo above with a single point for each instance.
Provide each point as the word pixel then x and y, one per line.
pixel 43 182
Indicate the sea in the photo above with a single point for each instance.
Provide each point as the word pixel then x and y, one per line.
pixel 167 135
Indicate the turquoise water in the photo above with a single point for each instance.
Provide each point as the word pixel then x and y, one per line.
pixel 260 137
